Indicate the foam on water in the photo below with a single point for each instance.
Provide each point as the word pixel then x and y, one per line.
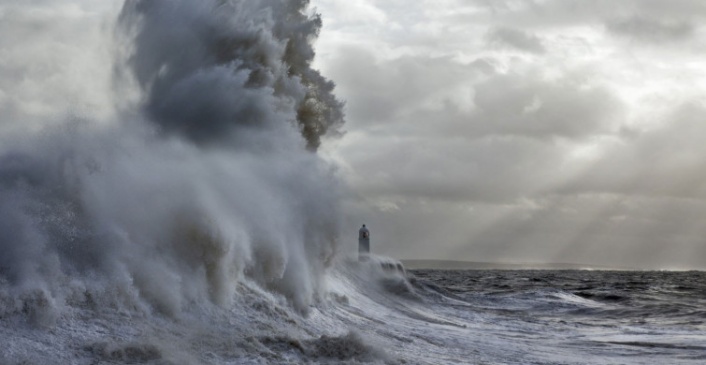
pixel 366 314
pixel 161 202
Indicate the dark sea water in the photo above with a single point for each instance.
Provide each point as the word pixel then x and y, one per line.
pixel 184 220
pixel 373 312
pixel 591 317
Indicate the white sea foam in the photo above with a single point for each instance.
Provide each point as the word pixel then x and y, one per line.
pixel 161 202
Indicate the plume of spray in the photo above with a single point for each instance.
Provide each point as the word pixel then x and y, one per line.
pixel 216 68
pixel 210 177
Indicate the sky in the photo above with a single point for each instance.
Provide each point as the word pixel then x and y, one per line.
pixel 542 131
pixel 498 131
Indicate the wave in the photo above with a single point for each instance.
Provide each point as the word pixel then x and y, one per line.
pixel 258 325
pixel 206 175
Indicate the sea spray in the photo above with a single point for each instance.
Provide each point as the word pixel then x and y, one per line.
pixel 220 71
pixel 206 177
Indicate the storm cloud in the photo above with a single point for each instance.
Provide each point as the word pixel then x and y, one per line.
pixel 649 30
pixel 522 131
pixel 516 39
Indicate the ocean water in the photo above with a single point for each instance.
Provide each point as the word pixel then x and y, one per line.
pixel 372 312
pixel 574 316
pixel 162 202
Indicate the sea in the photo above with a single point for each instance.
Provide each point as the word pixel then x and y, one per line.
pixel 376 312
pixel 162 202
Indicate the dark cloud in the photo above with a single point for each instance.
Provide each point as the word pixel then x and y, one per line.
pixel 569 147
pixel 529 14
pixel 505 146
pixel 484 65
pixel 523 105
pixel 651 30
pixel 497 170
pixel 384 90
pixel 517 39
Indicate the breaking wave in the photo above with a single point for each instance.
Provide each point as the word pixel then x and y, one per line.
pixel 204 174
pixel 162 202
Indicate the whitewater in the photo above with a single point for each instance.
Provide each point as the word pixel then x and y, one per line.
pixel 375 313
pixel 162 202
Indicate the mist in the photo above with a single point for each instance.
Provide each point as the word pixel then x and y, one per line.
pixel 165 151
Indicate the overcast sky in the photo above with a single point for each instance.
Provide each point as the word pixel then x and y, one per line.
pixel 483 130
pixel 522 131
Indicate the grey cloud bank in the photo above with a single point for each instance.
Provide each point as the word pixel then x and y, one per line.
pixel 517 39
pixel 649 30
pixel 520 131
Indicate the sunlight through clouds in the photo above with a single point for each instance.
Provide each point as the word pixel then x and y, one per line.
pixel 588 107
